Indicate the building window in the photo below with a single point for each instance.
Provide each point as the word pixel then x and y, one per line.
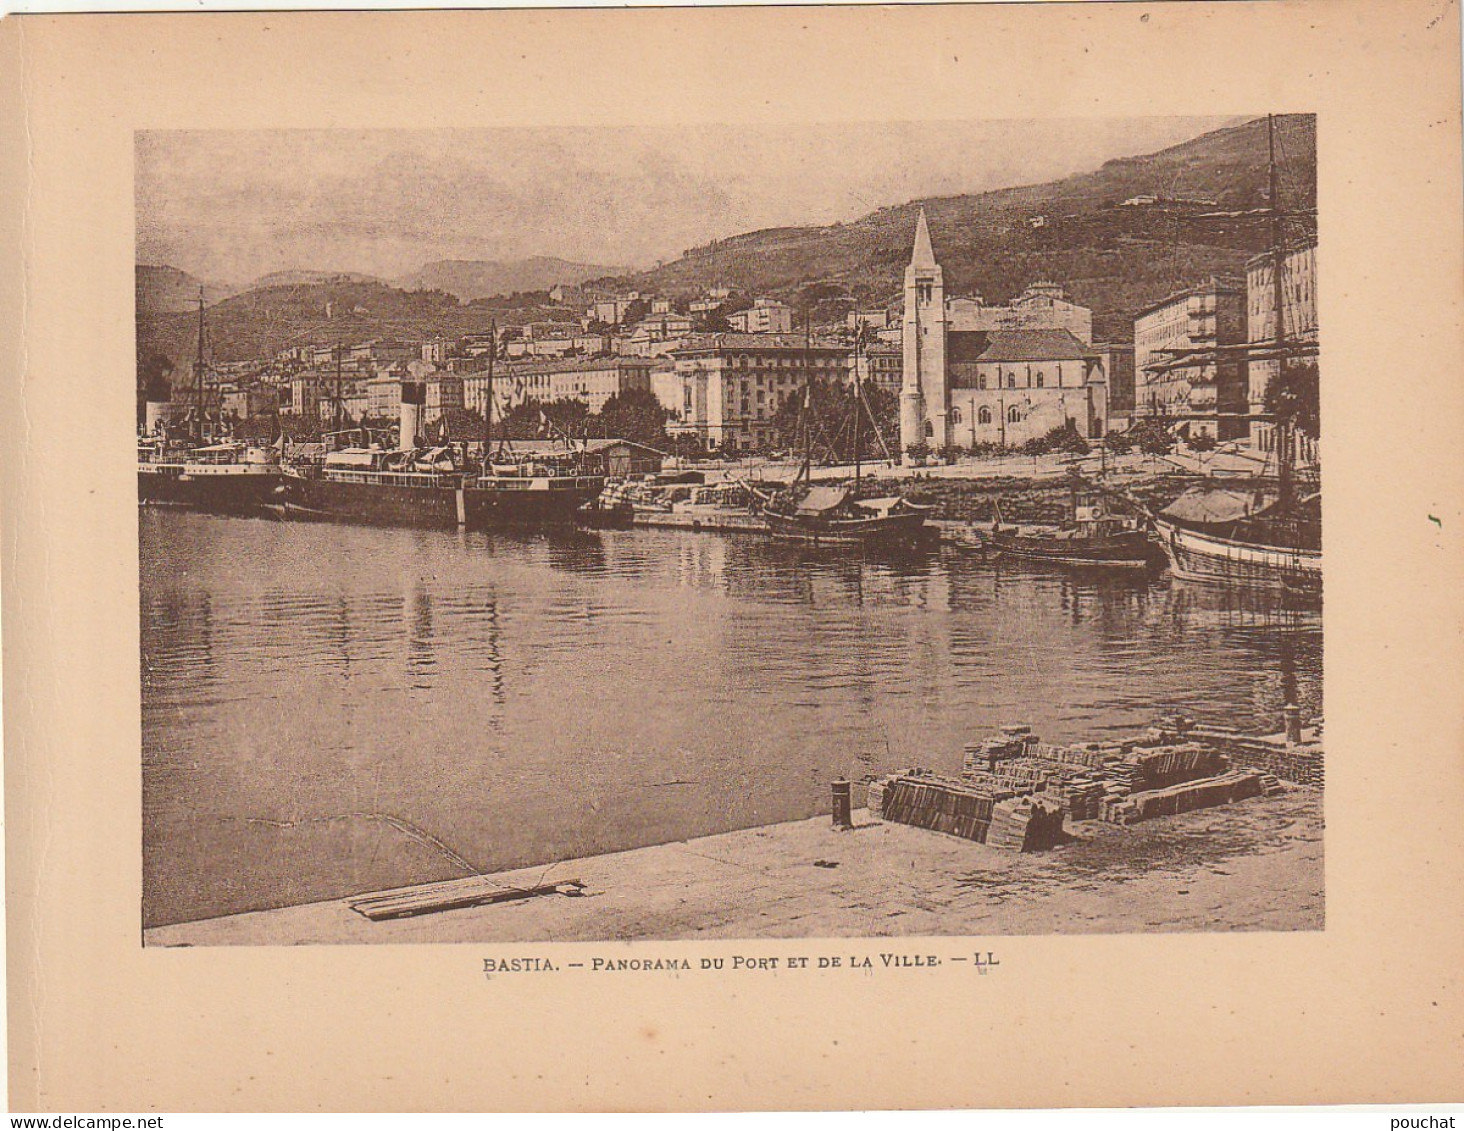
pixel 981 381
pixel 1014 415
pixel 1011 380
pixel 1039 380
pixel 955 416
pixel 984 416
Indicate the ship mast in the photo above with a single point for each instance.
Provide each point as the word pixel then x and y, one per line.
pixel 1278 291
pixel 336 406
pixel 200 372
pixel 488 406
pixel 805 472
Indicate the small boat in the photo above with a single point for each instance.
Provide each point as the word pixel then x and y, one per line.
pixel 821 513
pixel 836 514
pixel 1093 536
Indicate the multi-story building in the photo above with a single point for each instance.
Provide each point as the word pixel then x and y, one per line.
pixel 878 364
pixel 1209 396
pixel 732 385
pixel 444 393
pixel 1042 306
pixel 249 401
pixel 765 316
pixel 1299 323
pixel 657 334
pixel 590 380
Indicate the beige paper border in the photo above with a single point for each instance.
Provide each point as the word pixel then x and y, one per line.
pixel 1371 1009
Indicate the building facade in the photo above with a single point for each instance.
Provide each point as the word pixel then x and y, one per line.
pixel 1209 396
pixel 732 385
pixel 1299 325
pixel 592 381
pixel 765 316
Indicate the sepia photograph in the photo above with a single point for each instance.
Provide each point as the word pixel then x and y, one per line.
pixel 897 528
pixel 733 558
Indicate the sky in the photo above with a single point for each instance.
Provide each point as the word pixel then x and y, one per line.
pixel 231 205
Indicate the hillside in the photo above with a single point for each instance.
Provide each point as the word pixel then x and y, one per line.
pixel 480 278
pixel 166 290
pixel 1112 258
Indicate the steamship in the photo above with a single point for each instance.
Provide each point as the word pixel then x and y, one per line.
pixel 405 486
pixel 192 461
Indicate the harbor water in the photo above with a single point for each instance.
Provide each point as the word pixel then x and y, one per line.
pixel 335 709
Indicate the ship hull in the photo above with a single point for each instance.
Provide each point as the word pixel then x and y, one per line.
pixel 546 503
pixel 1130 549
pixel 1214 560
pixel 895 529
pixel 211 489
pixel 373 504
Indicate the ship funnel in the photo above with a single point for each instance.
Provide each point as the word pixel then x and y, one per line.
pixel 414 396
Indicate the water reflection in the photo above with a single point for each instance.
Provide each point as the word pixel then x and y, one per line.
pixel 311 691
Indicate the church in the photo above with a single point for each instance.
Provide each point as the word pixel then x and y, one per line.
pixel 978 374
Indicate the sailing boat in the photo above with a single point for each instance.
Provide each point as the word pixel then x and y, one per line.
pixel 206 469
pixel 1250 540
pixel 835 513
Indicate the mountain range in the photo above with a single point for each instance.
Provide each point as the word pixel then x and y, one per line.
pixel 1094 233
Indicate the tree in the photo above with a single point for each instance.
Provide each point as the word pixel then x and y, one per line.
pixel 1293 396
pixel 1152 436
pixel 1201 443
pixel 634 415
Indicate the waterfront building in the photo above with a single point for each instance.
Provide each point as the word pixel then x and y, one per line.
pixel 765 316
pixel 249 401
pixel 1299 311
pixel 1011 386
pixel 732 384
pixel 592 380
pixel 977 373
pixel 1209 397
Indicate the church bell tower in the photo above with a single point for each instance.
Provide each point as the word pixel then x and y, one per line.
pixel 924 404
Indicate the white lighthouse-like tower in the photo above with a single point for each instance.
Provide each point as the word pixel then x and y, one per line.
pixel 924 408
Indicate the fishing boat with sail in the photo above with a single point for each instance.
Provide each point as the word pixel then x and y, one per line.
pixel 836 513
pixel 193 461
pixel 1258 539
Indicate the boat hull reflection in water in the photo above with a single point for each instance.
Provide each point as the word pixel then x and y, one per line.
pixel 333 709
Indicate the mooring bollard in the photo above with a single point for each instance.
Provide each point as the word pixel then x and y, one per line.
pixel 1292 714
pixel 843 809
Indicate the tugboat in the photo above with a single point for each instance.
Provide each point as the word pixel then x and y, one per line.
pixel 1092 537
pixel 205 468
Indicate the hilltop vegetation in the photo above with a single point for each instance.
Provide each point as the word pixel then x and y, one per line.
pixel 1111 258
pixel 1074 231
